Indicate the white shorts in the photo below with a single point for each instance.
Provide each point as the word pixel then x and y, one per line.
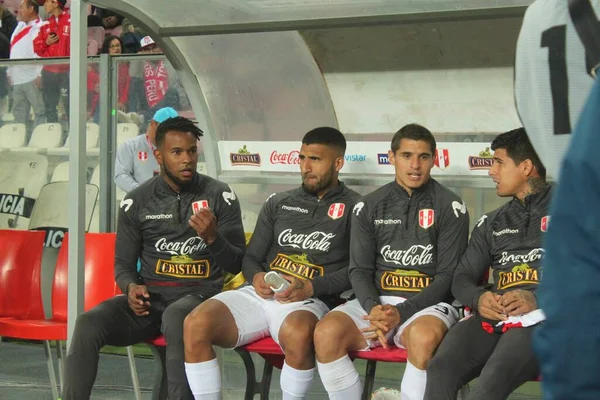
pixel 257 318
pixel 354 310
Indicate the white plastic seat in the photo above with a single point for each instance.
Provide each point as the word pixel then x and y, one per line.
pixel 126 131
pixel 61 172
pixel 44 136
pixel 12 136
pixel 91 141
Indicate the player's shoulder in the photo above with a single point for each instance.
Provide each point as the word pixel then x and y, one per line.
pixel 350 195
pixel 379 195
pixel 442 195
pixel 141 195
pixel 277 198
pixel 487 220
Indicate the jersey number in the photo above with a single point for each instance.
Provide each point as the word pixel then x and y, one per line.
pixel 555 39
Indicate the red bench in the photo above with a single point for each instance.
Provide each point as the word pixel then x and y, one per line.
pixel 271 352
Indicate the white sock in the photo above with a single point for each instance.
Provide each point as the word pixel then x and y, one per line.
pixel 340 379
pixel 204 379
pixel 294 382
pixel 413 383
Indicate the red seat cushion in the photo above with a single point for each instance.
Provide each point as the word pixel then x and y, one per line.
pixel 33 329
pixel 158 341
pixel 391 354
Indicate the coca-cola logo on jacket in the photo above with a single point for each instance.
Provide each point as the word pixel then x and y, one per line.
pixel 291 158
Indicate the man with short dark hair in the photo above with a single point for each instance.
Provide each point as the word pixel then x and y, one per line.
pixel 495 342
pixel 187 230
pixel 303 235
pixel 407 238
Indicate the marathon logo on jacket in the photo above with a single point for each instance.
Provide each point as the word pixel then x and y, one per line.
pixel 519 275
pixel 142 155
pixel 415 256
pixel 405 280
pixel 297 209
pixel 183 266
pixel 312 241
pixel 296 265
pixel 426 218
pixel 336 210
pixel 16 205
pixel 533 255
pixel 159 216
pixel 506 231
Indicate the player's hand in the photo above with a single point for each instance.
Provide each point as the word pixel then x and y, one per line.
pixel 378 329
pixel 518 302
pixel 299 290
pixel 137 297
pixel 489 307
pixel 51 39
pixel 386 316
pixel 205 224
pixel 262 288
pixel 38 82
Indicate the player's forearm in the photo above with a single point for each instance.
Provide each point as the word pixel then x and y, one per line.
pixel 251 266
pixel 228 255
pixel 331 284
pixel 125 276
pixel 466 289
pixel 437 291
pixel 364 288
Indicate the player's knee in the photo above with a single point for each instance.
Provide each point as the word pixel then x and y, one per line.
pixel 296 337
pixel 173 322
pixel 422 342
pixel 328 335
pixel 86 326
pixel 197 327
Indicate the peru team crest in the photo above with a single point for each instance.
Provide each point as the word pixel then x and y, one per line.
pixel 198 205
pixel 426 217
pixel 142 155
pixel 442 158
pixel 336 210
pixel 544 223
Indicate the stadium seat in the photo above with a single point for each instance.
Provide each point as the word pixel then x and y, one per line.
pixel 44 136
pixel 271 352
pixel 20 265
pixel 22 176
pixel 99 286
pixel 91 141
pixel 12 136
pixel 51 211
pixel 126 131
pixel 61 172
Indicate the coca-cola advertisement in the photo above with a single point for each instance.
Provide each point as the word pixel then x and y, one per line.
pixel 289 158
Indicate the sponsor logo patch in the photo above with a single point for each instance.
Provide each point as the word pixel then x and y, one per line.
pixel 198 205
pixel 519 275
pixel 336 210
pixel 296 265
pixel 405 280
pixel 426 218
pixel 183 266
pixel 245 157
